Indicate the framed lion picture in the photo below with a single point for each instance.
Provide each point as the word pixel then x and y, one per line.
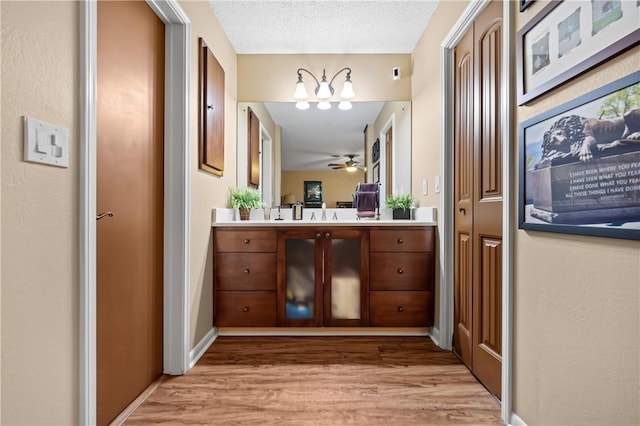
pixel 579 170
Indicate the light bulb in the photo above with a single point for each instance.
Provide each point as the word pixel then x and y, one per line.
pixel 324 90
pixel 301 91
pixel 347 90
pixel 302 105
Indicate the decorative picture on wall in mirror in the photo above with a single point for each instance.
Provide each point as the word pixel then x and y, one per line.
pixel 312 193
pixel 580 164
pixel 375 150
pixel 376 173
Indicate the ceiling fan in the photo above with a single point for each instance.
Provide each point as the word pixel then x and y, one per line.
pixel 350 165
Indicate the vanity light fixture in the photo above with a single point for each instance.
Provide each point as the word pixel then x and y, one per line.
pixel 324 90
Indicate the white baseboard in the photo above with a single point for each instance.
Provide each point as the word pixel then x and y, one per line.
pixel 434 334
pixel 516 421
pixel 202 346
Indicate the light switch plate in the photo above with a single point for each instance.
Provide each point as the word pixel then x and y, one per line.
pixel 45 143
pixel 437 185
pixel 425 186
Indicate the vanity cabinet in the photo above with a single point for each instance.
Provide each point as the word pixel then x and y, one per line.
pixel 245 277
pixel 349 276
pixel 323 277
pixel 401 277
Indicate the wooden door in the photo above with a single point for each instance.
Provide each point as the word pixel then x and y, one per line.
pixel 389 162
pixel 253 148
pixel 130 111
pixel 478 198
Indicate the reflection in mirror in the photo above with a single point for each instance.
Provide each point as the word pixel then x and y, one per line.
pixel 332 146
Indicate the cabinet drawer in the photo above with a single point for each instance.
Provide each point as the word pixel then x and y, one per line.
pixel 245 240
pixel 400 309
pixel 245 271
pixel 246 308
pixel 401 240
pixel 401 271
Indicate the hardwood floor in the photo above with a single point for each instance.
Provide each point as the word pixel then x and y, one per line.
pixel 324 380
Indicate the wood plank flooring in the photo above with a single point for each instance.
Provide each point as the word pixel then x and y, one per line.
pixel 325 380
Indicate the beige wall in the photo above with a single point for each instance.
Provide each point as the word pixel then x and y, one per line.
pixel 576 298
pixel 427 114
pixel 39 217
pixel 577 316
pixel 337 185
pixel 272 78
pixel 207 190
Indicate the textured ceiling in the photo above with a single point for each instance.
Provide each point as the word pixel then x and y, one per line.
pixel 310 137
pixel 382 26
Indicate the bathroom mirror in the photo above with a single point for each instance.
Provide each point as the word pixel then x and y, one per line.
pixel 318 145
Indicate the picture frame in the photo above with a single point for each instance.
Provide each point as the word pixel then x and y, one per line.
pixel 567 188
pixel 312 192
pixel 524 4
pixel 375 151
pixel 568 38
pixel 376 173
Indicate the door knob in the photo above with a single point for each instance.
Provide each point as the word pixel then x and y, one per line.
pixel 462 210
pixel 102 215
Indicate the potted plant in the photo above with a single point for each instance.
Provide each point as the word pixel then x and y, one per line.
pixel 401 205
pixel 245 199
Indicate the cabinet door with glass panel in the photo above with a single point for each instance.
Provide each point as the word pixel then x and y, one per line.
pixel 323 277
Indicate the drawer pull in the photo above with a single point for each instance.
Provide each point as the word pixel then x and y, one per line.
pixel 400 241
pixel 247 241
pixel 400 271
pixel 327 235
pixel 245 309
pixel 246 271
pixel 318 235
pixel 400 309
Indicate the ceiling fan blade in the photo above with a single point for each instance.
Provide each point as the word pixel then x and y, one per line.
pixel 335 164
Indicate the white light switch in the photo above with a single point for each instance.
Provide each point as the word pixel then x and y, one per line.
pixel 45 143
pixel 425 187
pixel 437 185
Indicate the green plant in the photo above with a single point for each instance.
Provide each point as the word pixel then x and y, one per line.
pixel 399 202
pixel 245 198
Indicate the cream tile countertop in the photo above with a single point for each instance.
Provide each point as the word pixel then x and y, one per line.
pixel 422 216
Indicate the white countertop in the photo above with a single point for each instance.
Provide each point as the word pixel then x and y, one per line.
pixel 423 216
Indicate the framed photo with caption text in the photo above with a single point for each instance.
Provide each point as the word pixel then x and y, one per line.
pixel 579 164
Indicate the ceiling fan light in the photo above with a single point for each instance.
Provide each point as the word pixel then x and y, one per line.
pixel 324 105
pixel 347 90
pixel 351 169
pixel 345 105
pixel 301 91
pixel 302 105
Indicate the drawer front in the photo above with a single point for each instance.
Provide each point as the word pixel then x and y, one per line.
pixel 245 271
pixel 244 241
pixel 246 308
pixel 401 240
pixel 401 271
pixel 400 309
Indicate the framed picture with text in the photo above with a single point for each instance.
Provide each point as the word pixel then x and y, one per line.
pixel 579 164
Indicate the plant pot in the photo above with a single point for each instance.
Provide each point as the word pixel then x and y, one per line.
pixel 402 213
pixel 244 214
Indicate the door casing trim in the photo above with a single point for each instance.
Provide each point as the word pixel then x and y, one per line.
pixel 447 71
pixel 176 346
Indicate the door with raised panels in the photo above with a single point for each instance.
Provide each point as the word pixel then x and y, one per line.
pixel 478 198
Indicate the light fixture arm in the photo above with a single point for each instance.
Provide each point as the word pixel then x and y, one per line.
pixel 308 72
pixel 336 74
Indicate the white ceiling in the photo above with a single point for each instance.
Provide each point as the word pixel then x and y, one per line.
pixel 322 27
